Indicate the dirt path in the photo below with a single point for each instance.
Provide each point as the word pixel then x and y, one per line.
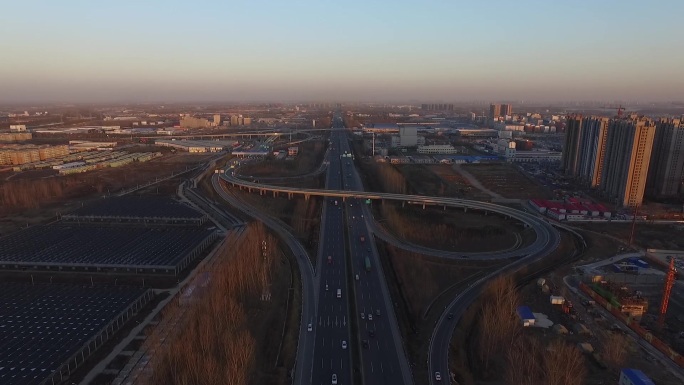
pixel 474 182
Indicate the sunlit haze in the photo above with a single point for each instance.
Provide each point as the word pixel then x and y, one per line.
pixel 82 51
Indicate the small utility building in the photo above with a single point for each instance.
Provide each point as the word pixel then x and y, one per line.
pixel 634 377
pixel 526 316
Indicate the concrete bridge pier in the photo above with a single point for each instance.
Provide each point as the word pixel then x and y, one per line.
pixel 275 194
pixel 306 197
pixel 465 209
pixel 423 206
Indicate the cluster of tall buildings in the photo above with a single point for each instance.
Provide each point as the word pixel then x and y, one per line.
pixel 188 121
pixel 498 110
pixel 626 158
pixel 437 107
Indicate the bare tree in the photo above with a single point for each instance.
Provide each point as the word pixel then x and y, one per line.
pixel 564 364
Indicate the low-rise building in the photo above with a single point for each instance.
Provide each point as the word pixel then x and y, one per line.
pixel 437 149
pixel 634 377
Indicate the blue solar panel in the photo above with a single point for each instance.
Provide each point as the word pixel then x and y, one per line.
pixel 43 325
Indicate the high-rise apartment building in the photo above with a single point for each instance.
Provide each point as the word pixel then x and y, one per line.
pixel 593 148
pixel 494 111
pixel 666 171
pixel 506 109
pixel 612 155
pixel 571 149
pixel 499 110
pixel 629 144
pixel 217 120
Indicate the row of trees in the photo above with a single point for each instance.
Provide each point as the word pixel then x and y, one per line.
pixel 526 360
pixel 391 180
pixel 214 345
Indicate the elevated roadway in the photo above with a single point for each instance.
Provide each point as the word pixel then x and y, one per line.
pixel 547 240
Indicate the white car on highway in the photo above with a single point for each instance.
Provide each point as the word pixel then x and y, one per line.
pixel 334 379
pixel 309 327
pixel 370 316
pixel 344 344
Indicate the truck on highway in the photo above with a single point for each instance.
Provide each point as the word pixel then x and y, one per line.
pixel 368 265
pixel 329 259
pixel 339 293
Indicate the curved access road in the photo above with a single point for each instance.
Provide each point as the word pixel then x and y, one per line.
pixel 438 356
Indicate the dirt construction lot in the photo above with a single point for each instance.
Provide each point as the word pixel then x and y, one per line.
pixel 506 180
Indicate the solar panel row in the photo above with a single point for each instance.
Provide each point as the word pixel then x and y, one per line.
pixel 98 246
pixel 136 206
pixel 42 326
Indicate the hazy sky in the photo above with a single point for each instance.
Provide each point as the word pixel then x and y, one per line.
pixel 429 50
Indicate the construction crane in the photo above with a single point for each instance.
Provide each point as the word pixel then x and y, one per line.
pixel 667 290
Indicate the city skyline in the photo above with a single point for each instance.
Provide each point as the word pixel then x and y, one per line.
pixel 307 50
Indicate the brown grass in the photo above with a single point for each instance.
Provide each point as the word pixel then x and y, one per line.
pixel 448 232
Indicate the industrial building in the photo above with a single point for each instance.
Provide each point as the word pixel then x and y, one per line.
pixel 477 132
pixel 408 136
pixel 438 149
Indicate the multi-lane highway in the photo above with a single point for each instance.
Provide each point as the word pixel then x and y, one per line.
pixel 332 352
pixel 383 358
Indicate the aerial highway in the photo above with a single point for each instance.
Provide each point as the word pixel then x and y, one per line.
pixel 547 240
pixel 332 362
pixel 383 357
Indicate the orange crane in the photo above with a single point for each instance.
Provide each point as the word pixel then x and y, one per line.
pixel 667 290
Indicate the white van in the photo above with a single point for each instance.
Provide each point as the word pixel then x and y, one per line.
pixel 339 293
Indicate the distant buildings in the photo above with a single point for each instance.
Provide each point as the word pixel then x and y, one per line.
pixel 499 110
pixel 438 149
pixel 15 136
pixel 437 107
pixel 217 120
pixel 192 122
pixel 408 136
pixel 292 151
pixel 17 127
pixel 16 155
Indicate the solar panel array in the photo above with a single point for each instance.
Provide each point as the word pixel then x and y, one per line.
pixel 42 326
pixel 138 206
pixel 65 244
